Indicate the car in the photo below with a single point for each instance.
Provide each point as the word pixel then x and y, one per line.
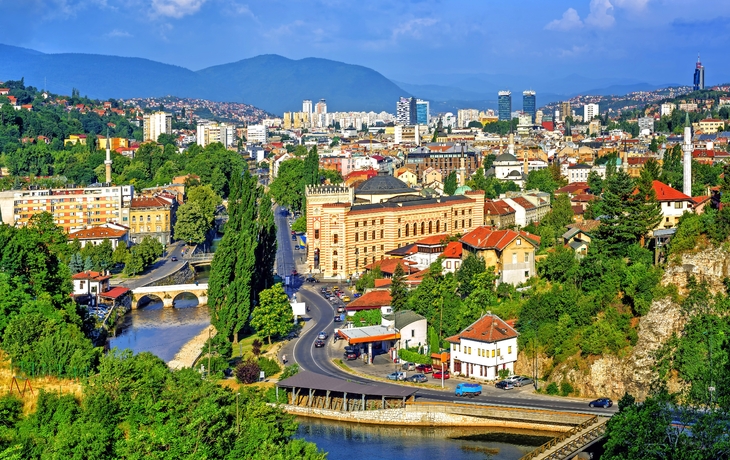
pixel 351 356
pixel 396 376
pixel 293 237
pixel 511 378
pixel 522 381
pixel 601 402
pixel 318 343
pixel 173 258
pixel 322 335
pixel 418 378
pixel 505 385
pixel 296 247
pixel 337 319
pixel 350 349
pixel 356 295
pixel 341 309
pixel 293 232
pixel 438 373
pixel 294 273
pixel 408 366
pixel 346 298
pixel 424 368
pixel 468 390
pixel 311 279
pixel 323 290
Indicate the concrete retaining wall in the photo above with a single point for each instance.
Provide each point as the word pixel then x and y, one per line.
pixel 411 416
pixel 184 275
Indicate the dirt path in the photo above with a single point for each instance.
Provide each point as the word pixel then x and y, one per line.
pixel 191 350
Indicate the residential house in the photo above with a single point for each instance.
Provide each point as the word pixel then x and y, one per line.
pixel 510 252
pixel 412 327
pixel 484 348
pixel 431 175
pixel 451 257
pixel 427 251
pixel 578 240
pixel 498 214
pixel 372 300
pixel 88 285
pixel 578 173
pixel 115 233
pixel 152 216
pixel 407 176
pixel 673 204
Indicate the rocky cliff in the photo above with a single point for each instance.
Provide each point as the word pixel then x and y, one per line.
pixel 633 372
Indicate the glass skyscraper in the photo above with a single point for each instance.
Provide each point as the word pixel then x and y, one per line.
pixel 529 104
pixel 505 105
pixel 699 77
pixel 422 112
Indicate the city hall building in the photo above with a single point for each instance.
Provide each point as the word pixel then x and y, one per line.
pixel 349 228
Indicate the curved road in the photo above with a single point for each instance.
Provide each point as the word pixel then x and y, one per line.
pixel 318 359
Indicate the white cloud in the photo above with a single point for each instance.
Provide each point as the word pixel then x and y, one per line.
pixel 239 9
pixel 636 5
pixel 569 21
pixel 573 52
pixel 176 8
pixel 116 33
pixel 601 14
pixel 413 27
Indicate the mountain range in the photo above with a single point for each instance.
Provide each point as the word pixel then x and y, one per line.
pixel 278 84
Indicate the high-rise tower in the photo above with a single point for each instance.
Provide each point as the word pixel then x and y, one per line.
pixel 687 158
pixel 529 104
pixel 108 161
pixel 504 103
pixel 699 78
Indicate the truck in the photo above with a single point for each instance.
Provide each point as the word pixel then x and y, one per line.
pixel 468 390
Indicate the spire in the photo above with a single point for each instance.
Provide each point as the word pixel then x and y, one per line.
pixel 108 161
pixel 686 120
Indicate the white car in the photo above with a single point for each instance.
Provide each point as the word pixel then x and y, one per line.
pixel 322 335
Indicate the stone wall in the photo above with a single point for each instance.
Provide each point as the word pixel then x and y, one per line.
pixel 184 275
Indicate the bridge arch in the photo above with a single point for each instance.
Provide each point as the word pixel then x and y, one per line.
pixel 185 300
pixel 148 299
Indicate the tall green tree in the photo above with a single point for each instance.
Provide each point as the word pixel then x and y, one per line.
pixel 450 183
pixel 672 169
pixel 398 289
pixel 472 266
pixel 541 179
pixel 273 314
pixel 266 243
pixel 653 169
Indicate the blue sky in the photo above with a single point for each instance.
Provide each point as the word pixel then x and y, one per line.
pixel 656 41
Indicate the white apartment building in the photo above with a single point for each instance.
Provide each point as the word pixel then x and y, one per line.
pixel 156 123
pixel 210 132
pixel 484 348
pixel 257 134
pixel 590 111
pixel 578 173
pixel 466 116
pixel 667 108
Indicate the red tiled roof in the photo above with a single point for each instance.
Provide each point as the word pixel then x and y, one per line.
pixel 433 240
pixel 578 210
pixel 523 202
pixel 149 202
pixel 666 193
pixel 488 328
pixel 498 208
pixel 96 233
pixel 453 250
pixel 371 300
pixel 90 275
pixel 486 238
pixel 382 282
pixel 388 265
pixel 700 199
pixel 114 293
pixel 586 226
pixel 583 197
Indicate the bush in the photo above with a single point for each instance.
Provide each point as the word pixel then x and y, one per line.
pixel 269 366
pixel 566 388
pixel 217 365
pixel 270 396
pixel 289 371
pixel 256 347
pixel 247 371
pixel 552 389
pixel 413 357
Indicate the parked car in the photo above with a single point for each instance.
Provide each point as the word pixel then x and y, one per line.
pixel 337 318
pixel 293 232
pixel 340 309
pixel 322 335
pixel 351 355
pixel 408 366
pixel 505 385
pixel 311 279
pixel 294 273
pixel 350 349
pixel 396 376
pixel 522 381
pixel 346 298
pixel 468 390
pixel 511 378
pixel 601 402
pixel 323 290
pixel 173 258
pixel 437 374
pixel 418 378
pixel 296 247
pixel 356 295
pixel 293 237
pixel 425 368
pixel 318 343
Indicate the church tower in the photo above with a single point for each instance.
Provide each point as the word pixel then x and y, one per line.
pixel 687 157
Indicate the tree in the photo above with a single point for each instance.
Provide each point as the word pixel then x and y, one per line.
pixel 653 169
pixel 672 168
pixel 398 289
pixel 654 145
pixel 76 264
pixel 287 188
pixel 192 225
pixel 472 266
pixel 300 225
pixel 482 296
pixel 119 256
pixel 541 179
pixel 273 314
pixel 450 183
pixel 134 263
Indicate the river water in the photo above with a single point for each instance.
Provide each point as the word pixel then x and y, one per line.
pixel 349 441
pixel 163 331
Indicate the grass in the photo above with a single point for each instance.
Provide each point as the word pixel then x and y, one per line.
pixel 245 345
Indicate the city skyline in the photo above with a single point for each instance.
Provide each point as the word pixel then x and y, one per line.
pixel 654 41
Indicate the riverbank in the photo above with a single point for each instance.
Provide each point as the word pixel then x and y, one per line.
pixel 191 350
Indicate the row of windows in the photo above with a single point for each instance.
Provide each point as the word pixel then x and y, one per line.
pixel 149 218
pixel 365 222
pixel 364 236
pixel 482 352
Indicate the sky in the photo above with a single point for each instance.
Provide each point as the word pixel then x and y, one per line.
pixel 416 41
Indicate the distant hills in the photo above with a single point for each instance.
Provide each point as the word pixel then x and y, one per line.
pixel 277 84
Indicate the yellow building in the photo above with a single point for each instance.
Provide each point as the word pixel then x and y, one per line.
pixel 152 216
pixel 511 253
pixel 348 228
pixel 711 125
pixel 114 143
pixel 74 139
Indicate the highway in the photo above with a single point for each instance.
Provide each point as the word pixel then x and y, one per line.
pixel 319 360
pixel 162 267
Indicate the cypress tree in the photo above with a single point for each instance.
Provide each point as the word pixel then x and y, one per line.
pixel 398 289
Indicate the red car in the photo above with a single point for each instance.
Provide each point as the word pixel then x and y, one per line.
pixel 437 375
pixel 424 368
pixel 294 273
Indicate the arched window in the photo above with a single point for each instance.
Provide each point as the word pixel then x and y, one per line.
pixel 438 226
pixel 407 228
pixel 415 229
pixel 430 227
pixel 334 253
pixel 423 228
pixel 382 233
pixel 335 238
pixel 398 233
pixel 357 237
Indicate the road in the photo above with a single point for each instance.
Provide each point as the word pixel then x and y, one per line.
pixel 319 360
pixel 160 269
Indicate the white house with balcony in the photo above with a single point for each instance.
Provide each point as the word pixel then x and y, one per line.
pixel 486 347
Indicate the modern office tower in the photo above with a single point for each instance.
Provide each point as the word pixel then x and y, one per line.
pixel 307 106
pixel 699 78
pixel 156 123
pixel 529 104
pixel 422 112
pixel 590 111
pixel 405 112
pixel 504 104
pixel 565 110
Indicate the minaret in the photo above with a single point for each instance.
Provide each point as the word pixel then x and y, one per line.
pixel 511 144
pixel 687 150
pixel 108 161
pixel 462 172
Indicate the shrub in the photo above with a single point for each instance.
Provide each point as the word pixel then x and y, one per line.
pixel 217 365
pixel 413 357
pixel 256 347
pixel 289 371
pixel 503 374
pixel 247 371
pixel 566 388
pixel 269 366
pixel 270 396
pixel 552 389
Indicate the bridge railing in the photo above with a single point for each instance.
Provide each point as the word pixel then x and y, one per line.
pixel 599 431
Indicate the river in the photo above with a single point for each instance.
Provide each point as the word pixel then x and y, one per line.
pixel 347 441
pixel 163 331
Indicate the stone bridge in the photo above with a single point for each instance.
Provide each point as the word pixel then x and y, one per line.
pixel 168 294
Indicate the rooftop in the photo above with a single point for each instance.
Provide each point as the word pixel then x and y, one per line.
pixel 96 233
pixel 489 328
pixel 372 299
pixel 403 318
pixel 487 238
pixel 453 250
pixel 383 184
pixel 368 334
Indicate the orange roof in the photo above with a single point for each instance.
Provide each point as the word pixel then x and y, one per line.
pixel 388 265
pixel 581 197
pixel 700 199
pixel 498 208
pixel 433 240
pixel 382 282
pixel 90 275
pixel 524 202
pixel 95 233
pixel 486 238
pixel 666 193
pixel 114 292
pixel 453 250
pixel 149 202
pixel 488 328
pixel 370 300
pixel 575 187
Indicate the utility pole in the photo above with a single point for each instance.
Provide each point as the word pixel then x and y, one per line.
pixel 209 353
pixel 238 420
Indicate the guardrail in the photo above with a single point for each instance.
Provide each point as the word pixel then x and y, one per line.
pixel 584 439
